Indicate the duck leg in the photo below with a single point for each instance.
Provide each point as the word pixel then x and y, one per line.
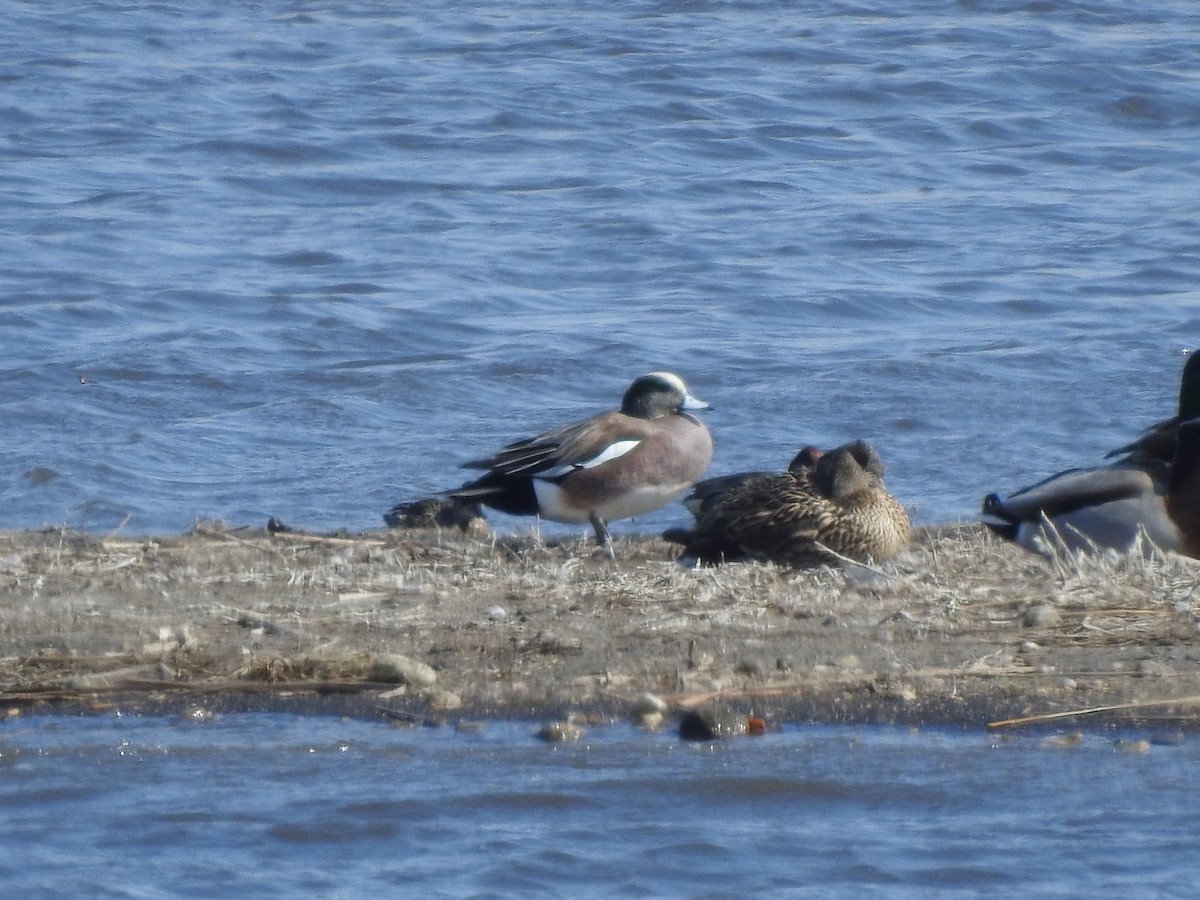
pixel 603 538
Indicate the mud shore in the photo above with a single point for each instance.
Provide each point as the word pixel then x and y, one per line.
pixel 435 625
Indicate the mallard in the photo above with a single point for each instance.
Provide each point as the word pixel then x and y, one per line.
pixel 1151 493
pixel 709 491
pixel 811 516
pixel 1157 443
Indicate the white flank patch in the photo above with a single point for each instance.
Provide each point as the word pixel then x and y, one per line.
pixel 641 501
pixel 552 505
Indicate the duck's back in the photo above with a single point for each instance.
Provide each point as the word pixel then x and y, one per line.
pixel 787 519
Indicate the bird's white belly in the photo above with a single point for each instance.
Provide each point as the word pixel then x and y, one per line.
pixel 554 505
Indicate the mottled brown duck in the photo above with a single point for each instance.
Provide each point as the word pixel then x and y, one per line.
pixel 837 509
pixel 707 493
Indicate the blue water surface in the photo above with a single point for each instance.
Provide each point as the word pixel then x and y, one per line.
pixel 311 256
pixel 303 259
pixel 288 806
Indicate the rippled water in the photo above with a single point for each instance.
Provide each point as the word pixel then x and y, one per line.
pixel 311 256
pixel 282 806
pixel 301 259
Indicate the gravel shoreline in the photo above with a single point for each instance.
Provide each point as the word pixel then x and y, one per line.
pixel 429 625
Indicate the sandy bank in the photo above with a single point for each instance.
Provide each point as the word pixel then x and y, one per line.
pixel 962 629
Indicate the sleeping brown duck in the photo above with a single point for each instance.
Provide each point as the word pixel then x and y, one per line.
pixel 808 516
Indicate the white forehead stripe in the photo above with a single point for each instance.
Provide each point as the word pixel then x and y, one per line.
pixel 672 379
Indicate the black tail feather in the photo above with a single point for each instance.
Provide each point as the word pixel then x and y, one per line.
pixel 514 496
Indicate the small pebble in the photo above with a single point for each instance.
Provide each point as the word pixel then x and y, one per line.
pixel 1141 746
pixel 1168 738
pixel 442 700
pixel 649 712
pixel 1041 616
pixel 1152 668
pixel 649 702
pixel 864 578
pixel 651 721
pixel 711 724
pixel 754 668
pixel 551 643
pixel 1063 741
pixel 904 693
pixel 497 613
pixel 393 668
pixel 557 732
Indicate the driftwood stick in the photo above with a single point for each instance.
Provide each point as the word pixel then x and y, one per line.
pixel 851 562
pixel 305 538
pixel 219 686
pixel 1092 710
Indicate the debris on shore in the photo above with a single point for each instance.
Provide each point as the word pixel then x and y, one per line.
pixel 960 629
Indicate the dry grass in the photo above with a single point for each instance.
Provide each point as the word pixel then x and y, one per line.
pixel 962 628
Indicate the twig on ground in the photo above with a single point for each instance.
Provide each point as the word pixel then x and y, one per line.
pixel 1093 710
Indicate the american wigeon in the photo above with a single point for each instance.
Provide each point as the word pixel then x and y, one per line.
pixel 1143 493
pixel 704 494
pixel 612 466
pixel 840 504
